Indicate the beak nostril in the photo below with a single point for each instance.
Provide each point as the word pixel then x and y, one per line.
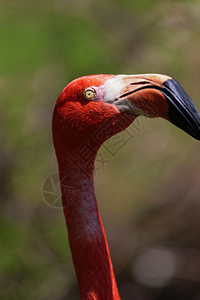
pixel 140 82
pixel 139 86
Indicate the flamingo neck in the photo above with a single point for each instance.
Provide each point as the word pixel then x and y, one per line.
pixel 86 233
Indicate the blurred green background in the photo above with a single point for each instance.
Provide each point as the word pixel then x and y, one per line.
pixel 147 189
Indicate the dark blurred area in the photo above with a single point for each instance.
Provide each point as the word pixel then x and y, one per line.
pixel 147 178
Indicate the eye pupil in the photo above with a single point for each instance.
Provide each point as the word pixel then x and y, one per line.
pixel 90 93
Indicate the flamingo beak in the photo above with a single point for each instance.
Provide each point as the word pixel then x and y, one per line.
pixel 155 95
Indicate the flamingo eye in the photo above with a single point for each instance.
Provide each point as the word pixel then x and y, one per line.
pixel 90 94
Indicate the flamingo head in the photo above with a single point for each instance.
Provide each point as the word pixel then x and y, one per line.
pixel 102 105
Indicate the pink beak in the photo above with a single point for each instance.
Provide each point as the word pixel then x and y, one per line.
pixel 155 95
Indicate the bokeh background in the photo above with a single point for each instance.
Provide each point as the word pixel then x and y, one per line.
pixel 147 179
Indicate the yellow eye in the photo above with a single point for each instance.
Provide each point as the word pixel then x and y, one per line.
pixel 90 93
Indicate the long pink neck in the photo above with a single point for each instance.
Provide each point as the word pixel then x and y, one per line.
pixel 86 233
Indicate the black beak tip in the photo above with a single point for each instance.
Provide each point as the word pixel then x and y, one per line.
pixel 182 111
pixel 197 136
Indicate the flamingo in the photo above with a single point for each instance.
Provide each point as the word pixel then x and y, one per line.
pixel 89 110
